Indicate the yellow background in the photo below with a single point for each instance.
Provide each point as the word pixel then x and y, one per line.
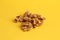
pixel 49 30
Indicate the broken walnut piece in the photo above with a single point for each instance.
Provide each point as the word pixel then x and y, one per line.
pixel 19 18
pixel 36 22
pixel 27 14
pixel 26 19
pixel 26 26
pixel 34 16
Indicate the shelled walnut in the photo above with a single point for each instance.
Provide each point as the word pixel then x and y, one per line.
pixel 29 21
pixel 26 26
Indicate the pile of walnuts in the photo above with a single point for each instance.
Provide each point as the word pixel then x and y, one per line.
pixel 29 20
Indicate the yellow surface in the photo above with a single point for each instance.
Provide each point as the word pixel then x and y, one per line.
pixel 50 29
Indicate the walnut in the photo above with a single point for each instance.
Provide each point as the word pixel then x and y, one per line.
pixel 26 26
pixel 19 18
pixel 29 21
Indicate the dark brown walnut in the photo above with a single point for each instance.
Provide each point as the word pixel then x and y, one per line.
pixel 26 26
